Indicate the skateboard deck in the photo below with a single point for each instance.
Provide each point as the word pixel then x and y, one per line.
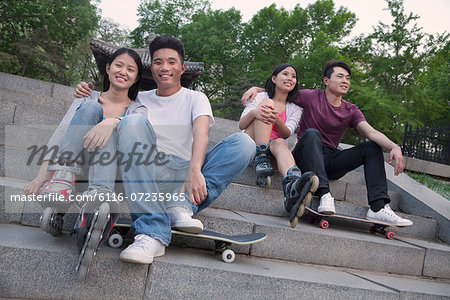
pixel 222 242
pixel 378 226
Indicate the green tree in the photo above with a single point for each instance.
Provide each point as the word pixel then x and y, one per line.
pixel 164 17
pixel 321 29
pixel 110 31
pixel 392 61
pixel 213 37
pixel 435 83
pixel 306 37
pixel 267 41
pixel 38 35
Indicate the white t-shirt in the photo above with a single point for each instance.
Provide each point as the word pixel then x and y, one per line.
pixel 173 117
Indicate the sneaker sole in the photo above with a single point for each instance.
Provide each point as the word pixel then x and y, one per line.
pixel 188 227
pixel 134 259
pixel 92 242
pixel 387 222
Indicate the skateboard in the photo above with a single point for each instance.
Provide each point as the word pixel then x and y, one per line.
pixel 377 226
pixel 222 242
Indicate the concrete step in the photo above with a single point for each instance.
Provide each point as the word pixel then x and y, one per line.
pixel 347 240
pixel 235 198
pixel 270 202
pixel 36 265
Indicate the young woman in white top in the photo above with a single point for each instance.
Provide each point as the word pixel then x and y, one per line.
pixel 269 120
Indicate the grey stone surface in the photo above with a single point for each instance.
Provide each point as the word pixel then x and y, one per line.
pixel 335 247
pixel 249 278
pixel 2 161
pixel 248 177
pixel 338 189
pixel 437 258
pixel 428 167
pixel 35 265
pixel 410 287
pixel 23 84
pixel 16 164
pixel 251 199
pixel 355 176
pixel 38 102
pixel 419 200
pixel 357 194
pixel 13 207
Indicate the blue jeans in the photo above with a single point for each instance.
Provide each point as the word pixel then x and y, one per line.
pixel 102 172
pixel 146 182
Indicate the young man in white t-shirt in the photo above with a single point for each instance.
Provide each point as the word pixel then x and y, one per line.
pixel 181 173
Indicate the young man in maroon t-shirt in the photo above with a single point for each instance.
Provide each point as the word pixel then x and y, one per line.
pixel 325 118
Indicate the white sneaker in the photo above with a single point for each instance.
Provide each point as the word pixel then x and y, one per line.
pixel 387 215
pixel 143 250
pixel 181 219
pixel 327 205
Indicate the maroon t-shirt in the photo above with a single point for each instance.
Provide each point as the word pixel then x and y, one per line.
pixel 331 121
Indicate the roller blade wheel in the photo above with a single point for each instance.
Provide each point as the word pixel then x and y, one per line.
pixel 51 221
pixel 93 239
pixel 264 182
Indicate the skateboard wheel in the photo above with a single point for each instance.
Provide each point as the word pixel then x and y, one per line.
pixel 115 240
pixel 324 224
pixel 390 235
pixel 228 256
pixel 373 229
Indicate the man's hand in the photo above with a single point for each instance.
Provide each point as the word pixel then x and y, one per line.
pixel 83 89
pixel 195 187
pixel 396 154
pixel 251 94
pixel 99 135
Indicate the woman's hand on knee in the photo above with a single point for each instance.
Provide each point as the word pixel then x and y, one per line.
pixel 99 135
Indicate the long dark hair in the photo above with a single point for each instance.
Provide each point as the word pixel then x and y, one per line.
pixel 270 86
pixel 134 89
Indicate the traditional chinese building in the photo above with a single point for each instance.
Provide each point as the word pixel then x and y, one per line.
pixel 103 50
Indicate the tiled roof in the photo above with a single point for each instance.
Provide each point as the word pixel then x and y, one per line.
pixel 107 49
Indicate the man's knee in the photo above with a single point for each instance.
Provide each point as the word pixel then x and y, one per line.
pixel 312 133
pixel 372 148
pixel 244 144
pixel 133 120
pixel 135 128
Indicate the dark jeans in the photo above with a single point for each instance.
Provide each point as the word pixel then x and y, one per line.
pixel 327 162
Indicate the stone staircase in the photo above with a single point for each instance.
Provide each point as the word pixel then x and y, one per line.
pixel 344 261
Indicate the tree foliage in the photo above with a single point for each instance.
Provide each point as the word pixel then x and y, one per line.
pixel 399 73
pixel 164 17
pixel 214 38
pixel 394 61
pixel 37 36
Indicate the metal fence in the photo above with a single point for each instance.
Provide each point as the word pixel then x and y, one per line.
pixel 430 144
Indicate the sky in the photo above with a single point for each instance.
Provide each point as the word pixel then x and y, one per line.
pixel 434 14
